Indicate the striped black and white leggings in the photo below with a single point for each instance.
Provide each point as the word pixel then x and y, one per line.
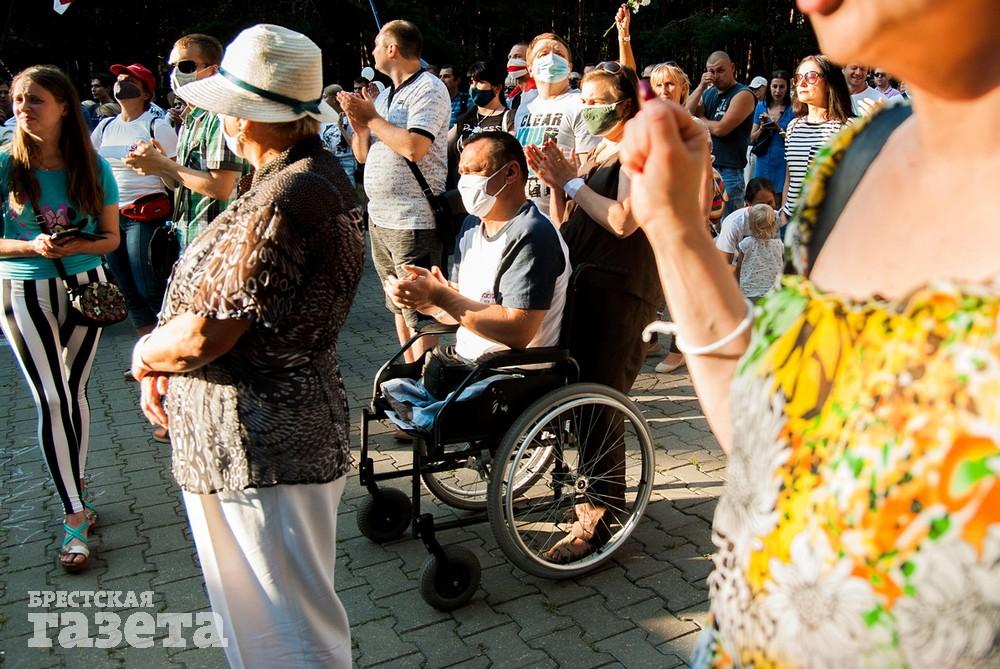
pixel 55 357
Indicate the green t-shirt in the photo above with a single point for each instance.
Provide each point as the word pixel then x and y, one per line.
pixel 201 146
pixel 58 214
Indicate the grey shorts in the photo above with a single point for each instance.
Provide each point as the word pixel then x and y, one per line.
pixel 391 249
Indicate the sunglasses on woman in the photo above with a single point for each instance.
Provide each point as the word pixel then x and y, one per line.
pixel 611 66
pixel 809 77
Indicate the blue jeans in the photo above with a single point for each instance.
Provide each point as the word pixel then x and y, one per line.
pixel 130 265
pixel 735 188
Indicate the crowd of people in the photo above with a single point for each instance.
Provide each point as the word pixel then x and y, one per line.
pixel 860 517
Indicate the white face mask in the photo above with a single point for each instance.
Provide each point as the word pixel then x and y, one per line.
pixel 232 143
pixel 472 188
pixel 178 79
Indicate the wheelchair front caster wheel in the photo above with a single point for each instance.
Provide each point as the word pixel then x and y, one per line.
pixel 385 515
pixel 449 585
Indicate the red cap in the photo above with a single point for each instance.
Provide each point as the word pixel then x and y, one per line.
pixel 140 72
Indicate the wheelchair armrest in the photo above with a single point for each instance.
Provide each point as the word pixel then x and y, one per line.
pixel 435 328
pixel 528 356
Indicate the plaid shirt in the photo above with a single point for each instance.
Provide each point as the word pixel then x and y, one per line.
pixel 201 146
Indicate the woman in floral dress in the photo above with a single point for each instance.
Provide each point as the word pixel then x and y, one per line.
pixel 860 524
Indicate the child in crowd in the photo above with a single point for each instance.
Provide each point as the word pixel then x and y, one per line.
pixel 760 256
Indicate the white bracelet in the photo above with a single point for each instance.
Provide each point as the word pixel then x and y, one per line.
pixel 667 328
pixel 573 186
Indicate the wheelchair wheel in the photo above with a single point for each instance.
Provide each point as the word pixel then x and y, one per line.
pixel 602 454
pixel 465 487
pixel 385 515
pixel 447 586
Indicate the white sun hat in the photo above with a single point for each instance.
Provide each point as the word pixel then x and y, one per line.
pixel 268 74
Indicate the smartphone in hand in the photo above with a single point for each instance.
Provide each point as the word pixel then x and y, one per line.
pixel 75 233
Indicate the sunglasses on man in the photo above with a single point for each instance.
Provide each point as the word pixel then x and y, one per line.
pixel 185 66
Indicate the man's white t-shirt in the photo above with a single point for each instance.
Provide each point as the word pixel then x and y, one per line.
pixel 862 102
pixel 114 137
pixel 523 266
pixel 555 119
pixel 735 227
pixel 421 104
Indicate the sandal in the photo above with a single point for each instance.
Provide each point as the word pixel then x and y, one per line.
pixel 669 365
pixel 88 506
pixel 587 535
pixel 77 533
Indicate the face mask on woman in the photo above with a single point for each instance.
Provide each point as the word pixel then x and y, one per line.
pixel 232 143
pixel 481 97
pixel 472 188
pixel 599 119
pixel 550 68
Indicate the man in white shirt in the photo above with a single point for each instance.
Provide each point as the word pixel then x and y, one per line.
pixel 553 114
pixel 863 96
pixel 512 267
pixel 736 226
pixel 883 84
pixel 406 122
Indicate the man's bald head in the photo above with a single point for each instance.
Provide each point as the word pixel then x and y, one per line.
pixel 720 57
pixel 722 69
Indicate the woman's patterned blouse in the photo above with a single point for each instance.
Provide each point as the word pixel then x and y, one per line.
pixel 860 524
pixel 287 255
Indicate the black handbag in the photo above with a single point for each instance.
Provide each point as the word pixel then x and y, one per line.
pixel 449 212
pixel 163 250
pixel 760 147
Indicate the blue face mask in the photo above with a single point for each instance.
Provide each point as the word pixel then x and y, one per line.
pixel 481 97
pixel 550 68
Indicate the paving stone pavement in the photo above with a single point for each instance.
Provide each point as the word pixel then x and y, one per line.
pixel 644 610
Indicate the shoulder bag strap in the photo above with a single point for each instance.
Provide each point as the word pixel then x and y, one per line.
pixel 103 125
pixel 418 175
pixel 853 166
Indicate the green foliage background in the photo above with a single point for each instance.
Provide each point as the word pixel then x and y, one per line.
pixel 760 35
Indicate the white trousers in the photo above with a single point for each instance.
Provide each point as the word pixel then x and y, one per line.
pixel 268 556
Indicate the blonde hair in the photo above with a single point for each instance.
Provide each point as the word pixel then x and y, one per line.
pixel 762 221
pixel 665 72
pixel 530 55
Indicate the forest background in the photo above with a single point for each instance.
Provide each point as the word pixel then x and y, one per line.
pixel 760 35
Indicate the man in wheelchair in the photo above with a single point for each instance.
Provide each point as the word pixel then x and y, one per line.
pixel 510 275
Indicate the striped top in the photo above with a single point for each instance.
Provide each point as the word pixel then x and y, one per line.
pixel 802 140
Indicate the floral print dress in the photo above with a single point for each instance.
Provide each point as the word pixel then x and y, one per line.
pixel 860 525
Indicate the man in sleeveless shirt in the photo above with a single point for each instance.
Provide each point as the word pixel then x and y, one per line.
pixel 726 108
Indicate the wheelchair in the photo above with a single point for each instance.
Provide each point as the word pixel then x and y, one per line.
pixel 520 455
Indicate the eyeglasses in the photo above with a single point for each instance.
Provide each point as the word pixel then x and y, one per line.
pixel 611 66
pixel 809 77
pixel 185 66
pixel 880 74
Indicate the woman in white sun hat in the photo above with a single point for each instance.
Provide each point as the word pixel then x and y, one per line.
pixel 242 365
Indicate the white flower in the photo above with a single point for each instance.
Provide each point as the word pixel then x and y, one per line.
pixel 820 606
pixel 953 617
pixel 746 507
